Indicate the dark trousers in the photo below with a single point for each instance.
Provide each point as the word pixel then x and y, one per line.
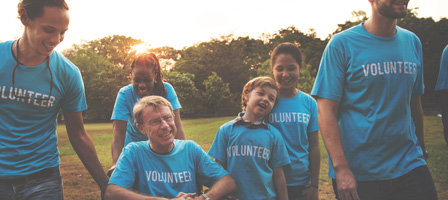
pixel 415 185
pixel 443 94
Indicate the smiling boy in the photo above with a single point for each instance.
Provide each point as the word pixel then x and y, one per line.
pixel 252 151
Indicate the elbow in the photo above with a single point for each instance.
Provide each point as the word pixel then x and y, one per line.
pixel 109 193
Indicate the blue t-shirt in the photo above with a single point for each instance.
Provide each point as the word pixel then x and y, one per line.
pixel 165 175
pixel 374 78
pixel 124 105
pixel 442 79
pixel 295 118
pixel 28 141
pixel 250 156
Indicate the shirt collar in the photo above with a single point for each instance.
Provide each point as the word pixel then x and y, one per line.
pixel 251 125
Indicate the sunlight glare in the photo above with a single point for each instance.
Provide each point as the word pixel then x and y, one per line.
pixel 141 48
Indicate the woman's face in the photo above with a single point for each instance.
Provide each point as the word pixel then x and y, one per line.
pixel 143 79
pixel 286 71
pixel 44 33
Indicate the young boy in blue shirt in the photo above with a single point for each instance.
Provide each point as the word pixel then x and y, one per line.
pixel 252 151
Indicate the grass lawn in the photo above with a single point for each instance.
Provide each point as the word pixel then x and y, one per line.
pixel 78 183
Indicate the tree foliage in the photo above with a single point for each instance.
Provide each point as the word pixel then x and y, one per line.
pixel 187 93
pixel 217 95
pixel 104 65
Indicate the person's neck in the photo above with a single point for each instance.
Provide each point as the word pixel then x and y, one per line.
pixel 288 92
pixel 249 116
pixel 27 56
pixel 161 150
pixel 381 26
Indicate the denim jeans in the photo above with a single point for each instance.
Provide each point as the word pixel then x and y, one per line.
pixel 28 188
pixel 415 185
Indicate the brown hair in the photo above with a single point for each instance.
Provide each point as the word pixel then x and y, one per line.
pixel 153 101
pixel 287 48
pixel 258 82
pixel 35 8
pixel 150 60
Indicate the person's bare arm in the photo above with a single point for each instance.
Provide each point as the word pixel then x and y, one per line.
pixel 116 192
pixel 119 131
pixel 83 146
pixel 224 186
pixel 279 180
pixel 417 117
pixel 313 140
pixel 328 124
pixel 180 128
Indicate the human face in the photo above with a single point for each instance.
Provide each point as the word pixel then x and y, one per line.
pixel 286 71
pixel 393 9
pixel 143 79
pixel 158 124
pixel 260 102
pixel 44 33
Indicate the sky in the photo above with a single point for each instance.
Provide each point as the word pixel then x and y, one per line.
pixel 182 23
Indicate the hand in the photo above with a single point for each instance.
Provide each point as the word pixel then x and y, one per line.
pixel 312 193
pixel 185 196
pixel 111 170
pixel 425 155
pixel 347 185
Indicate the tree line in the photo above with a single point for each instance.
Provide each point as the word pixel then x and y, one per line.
pixel 208 77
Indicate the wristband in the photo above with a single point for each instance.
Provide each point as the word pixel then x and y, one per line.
pixel 205 196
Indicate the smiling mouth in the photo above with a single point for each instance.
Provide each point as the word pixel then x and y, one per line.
pixel 261 105
pixel 166 134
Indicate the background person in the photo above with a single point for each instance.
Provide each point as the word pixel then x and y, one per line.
pixel 252 151
pixel 35 82
pixel 146 79
pixel 442 87
pixel 164 166
pixel 368 87
pixel 295 116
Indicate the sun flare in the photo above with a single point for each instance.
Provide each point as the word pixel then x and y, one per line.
pixel 141 48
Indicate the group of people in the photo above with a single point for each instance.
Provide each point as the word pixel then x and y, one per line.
pixel 365 102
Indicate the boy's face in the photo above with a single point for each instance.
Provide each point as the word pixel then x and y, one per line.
pixel 260 101
pixel 158 124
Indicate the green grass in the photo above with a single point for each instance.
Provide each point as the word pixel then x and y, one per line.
pixel 79 185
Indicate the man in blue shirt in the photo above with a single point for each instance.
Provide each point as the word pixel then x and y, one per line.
pixel 368 91
pixel 163 166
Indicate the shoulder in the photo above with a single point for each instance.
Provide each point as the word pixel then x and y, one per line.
pixel 408 35
pixel 127 88
pixel 6 45
pixel 63 62
pixel 347 34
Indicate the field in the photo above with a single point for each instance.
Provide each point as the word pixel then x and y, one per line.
pixel 79 185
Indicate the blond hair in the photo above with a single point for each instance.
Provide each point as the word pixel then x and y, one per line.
pixel 153 101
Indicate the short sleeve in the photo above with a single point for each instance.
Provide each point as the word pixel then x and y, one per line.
pixel 218 148
pixel 279 154
pixel 419 86
pixel 209 171
pixel 121 108
pixel 74 100
pixel 171 96
pixel 313 125
pixel 330 78
pixel 124 173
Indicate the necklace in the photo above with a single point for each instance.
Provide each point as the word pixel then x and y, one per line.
pixel 17 65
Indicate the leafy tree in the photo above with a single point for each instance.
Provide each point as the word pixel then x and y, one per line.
pixel 217 95
pixel 186 91
pixel 104 65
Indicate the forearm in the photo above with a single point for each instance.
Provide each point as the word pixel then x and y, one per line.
pixel 417 117
pixel 85 149
pixel 224 186
pixel 280 183
pixel 331 136
pixel 115 192
pixel 119 131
